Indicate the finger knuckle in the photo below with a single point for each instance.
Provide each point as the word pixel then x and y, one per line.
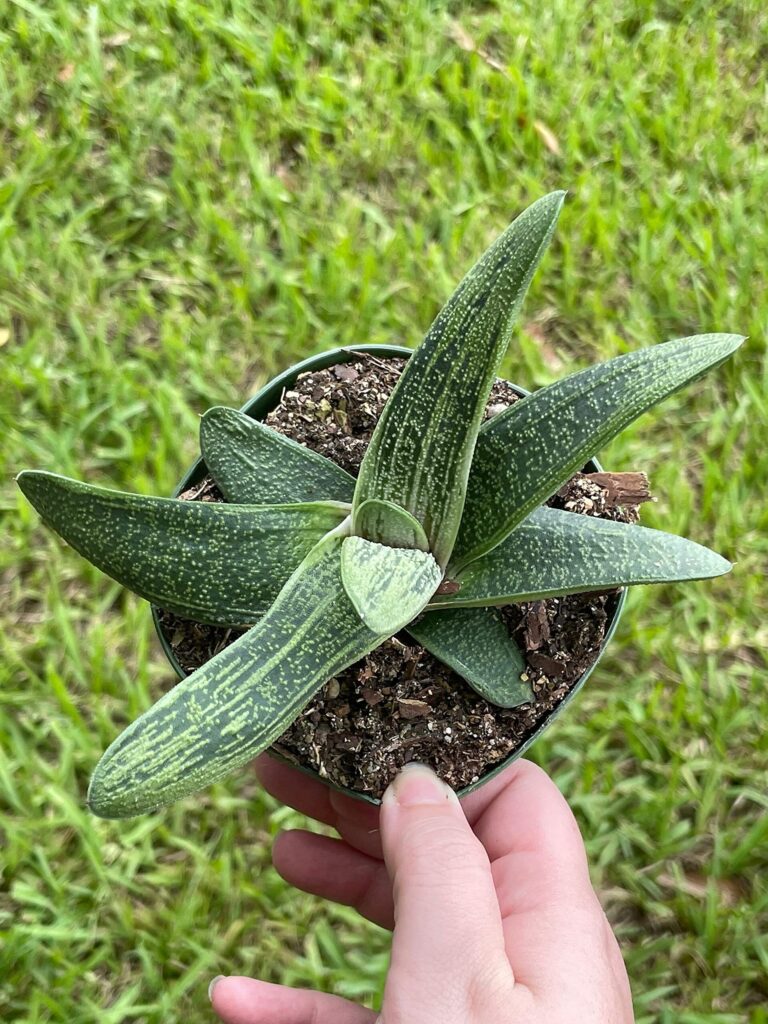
pixel 489 991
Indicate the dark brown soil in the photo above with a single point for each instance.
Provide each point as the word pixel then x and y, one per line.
pixel 399 703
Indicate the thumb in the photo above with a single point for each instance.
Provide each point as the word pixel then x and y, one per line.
pixel 448 928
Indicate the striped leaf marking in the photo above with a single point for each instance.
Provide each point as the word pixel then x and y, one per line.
pixel 553 553
pixel 388 587
pixel 421 449
pixel 216 563
pixel 525 453
pixel 240 701
pixel 475 642
pixel 253 464
pixel 387 523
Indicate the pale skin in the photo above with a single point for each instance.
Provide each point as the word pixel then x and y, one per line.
pixel 495 919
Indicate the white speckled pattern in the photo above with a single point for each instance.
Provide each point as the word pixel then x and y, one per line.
pixel 207 561
pixel 387 586
pixel 524 454
pixel 554 552
pixel 236 704
pixel 421 450
pixel 253 464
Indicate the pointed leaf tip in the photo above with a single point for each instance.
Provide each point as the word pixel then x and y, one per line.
pixel 553 553
pixel 475 642
pixel 525 453
pixel 209 561
pixel 421 450
pixel 26 480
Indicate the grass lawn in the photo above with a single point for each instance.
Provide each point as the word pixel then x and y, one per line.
pixel 192 196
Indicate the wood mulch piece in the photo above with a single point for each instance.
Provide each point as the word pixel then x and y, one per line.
pixel 614 496
pixel 399 703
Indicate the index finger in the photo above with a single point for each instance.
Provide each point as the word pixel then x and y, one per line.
pixel 356 820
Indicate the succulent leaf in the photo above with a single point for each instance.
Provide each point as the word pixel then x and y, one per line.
pixel 387 586
pixel 553 553
pixel 525 453
pixel 217 563
pixel 253 464
pixel 420 452
pixel 240 701
pixel 387 523
pixel 475 642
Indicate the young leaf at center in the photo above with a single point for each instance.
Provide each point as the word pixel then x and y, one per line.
pixel 387 586
pixel 387 523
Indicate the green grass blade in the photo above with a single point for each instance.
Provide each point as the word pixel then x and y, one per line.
pixel 238 703
pixel 421 450
pixel 553 553
pixel 387 586
pixel 475 642
pixel 255 465
pixel 217 563
pixel 387 523
pixel 524 454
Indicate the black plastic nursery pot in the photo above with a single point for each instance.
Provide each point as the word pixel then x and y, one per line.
pixel 258 407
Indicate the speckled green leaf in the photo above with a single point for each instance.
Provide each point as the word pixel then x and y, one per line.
pixel 475 642
pixel 387 586
pixel 216 563
pixel 387 523
pixel 239 702
pixel 253 464
pixel 554 552
pixel 421 450
pixel 524 454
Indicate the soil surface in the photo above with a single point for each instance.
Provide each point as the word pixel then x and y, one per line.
pixel 399 703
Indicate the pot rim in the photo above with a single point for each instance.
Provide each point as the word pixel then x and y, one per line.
pixel 265 399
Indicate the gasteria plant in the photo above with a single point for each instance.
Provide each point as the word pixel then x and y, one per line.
pixel 444 524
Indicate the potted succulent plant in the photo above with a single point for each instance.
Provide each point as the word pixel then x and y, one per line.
pixel 443 528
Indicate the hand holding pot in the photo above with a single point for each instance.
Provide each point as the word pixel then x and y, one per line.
pixel 496 921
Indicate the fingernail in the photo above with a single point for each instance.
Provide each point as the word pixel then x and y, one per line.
pixel 417 785
pixel 214 982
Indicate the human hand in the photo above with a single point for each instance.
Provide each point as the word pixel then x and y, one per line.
pixel 496 921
